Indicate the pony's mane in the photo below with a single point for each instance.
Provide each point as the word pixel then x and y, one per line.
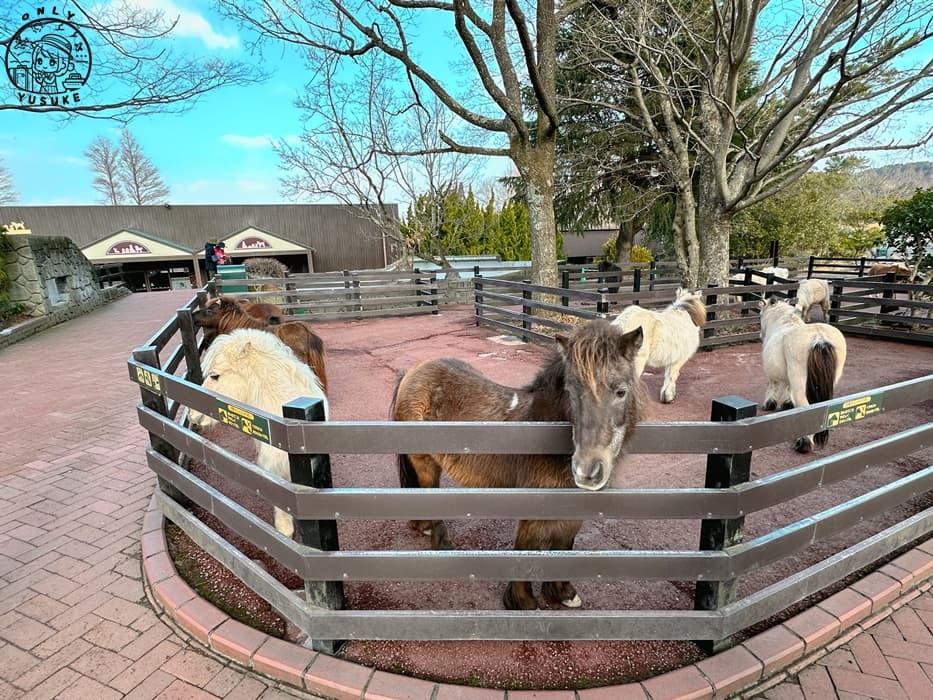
pixel 287 366
pixel 591 348
pixel 693 305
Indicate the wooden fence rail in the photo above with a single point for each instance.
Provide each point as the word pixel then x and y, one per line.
pixel 721 557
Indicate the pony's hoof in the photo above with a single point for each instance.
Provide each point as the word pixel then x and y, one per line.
pixel 769 405
pixel 803 445
pixel 574 602
pixel 787 405
pixel 667 399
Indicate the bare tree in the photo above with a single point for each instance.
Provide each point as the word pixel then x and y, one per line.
pixel 510 67
pixel 135 69
pixel 104 159
pixel 138 176
pixel 741 98
pixel 368 149
pixel 8 193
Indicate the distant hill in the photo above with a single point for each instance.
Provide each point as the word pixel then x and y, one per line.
pixel 900 179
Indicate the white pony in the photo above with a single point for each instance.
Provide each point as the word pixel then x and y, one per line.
pixel 782 272
pixel 671 336
pixel 255 367
pixel 810 293
pixel 803 362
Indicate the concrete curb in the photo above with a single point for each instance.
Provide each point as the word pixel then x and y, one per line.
pixel 760 661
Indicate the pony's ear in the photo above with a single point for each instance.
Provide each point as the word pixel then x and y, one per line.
pixel 762 304
pixel 630 343
pixel 562 341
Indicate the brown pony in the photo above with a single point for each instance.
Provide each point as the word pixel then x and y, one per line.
pixel 591 382
pixel 224 314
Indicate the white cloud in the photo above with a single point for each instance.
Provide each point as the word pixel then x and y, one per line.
pixel 190 24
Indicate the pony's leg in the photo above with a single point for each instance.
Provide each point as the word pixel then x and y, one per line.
pixel 798 395
pixel 773 394
pixel 562 534
pixel 542 535
pixel 671 374
pixel 427 474
pixel 824 306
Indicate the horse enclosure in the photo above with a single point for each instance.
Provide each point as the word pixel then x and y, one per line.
pixel 167 371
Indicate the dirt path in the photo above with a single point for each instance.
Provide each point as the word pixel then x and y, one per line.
pixel 363 359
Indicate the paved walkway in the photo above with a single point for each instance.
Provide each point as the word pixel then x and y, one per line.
pixel 76 622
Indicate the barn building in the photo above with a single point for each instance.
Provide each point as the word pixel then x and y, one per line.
pixel 162 247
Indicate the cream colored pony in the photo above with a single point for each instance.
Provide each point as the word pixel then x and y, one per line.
pixel 803 362
pixel 671 336
pixel 258 369
pixel 810 293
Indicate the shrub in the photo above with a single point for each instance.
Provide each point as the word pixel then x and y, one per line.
pixel 640 254
pixel 264 267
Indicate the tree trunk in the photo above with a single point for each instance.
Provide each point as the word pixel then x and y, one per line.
pixel 713 227
pixel 537 170
pixel 625 239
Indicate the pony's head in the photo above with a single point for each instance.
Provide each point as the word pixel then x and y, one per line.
pixel 692 303
pixel 214 310
pixel 258 369
pixel 774 312
pixel 605 397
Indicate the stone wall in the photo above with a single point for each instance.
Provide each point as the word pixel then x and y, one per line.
pixel 53 282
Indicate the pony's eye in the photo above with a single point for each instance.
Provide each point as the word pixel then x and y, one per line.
pixel 213 377
pixel 621 391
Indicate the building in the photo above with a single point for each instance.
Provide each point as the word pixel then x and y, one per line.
pixel 162 247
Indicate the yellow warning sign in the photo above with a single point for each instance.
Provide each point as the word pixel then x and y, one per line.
pixel 148 379
pixel 852 410
pixel 244 421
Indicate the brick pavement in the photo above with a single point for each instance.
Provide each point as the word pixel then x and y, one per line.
pixel 77 619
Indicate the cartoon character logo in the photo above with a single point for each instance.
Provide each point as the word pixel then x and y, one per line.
pixel 48 60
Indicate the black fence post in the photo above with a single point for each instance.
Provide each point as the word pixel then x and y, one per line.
pixel 861 267
pixel 810 266
pixel 636 283
pixel 835 302
pixel 565 284
pixel 602 306
pixel 888 294
pixel 189 341
pixel 289 299
pixel 434 292
pixel 775 258
pixel 526 313
pixel 358 296
pixel 723 471
pixel 314 470
pixel 652 275
pixel 711 300
pixel 747 297
pixel 153 399
pixel 477 295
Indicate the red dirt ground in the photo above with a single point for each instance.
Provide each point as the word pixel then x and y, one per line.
pixel 363 359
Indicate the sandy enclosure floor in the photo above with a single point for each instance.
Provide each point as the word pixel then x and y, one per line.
pixel 363 359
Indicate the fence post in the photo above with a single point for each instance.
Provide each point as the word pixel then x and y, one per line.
pixel 602 306
pixel 155 401
pixel 810 266
pixel 652 275
pixel 565 284
pixel 775 258
pixel 526 312
pixel 358 296
pixel 834 303
pixel 434 292
pixel 888 294
pixel 189 341
pixel 477 295
pixel 746 297
pixel 723 471
pixel 314 470
pixel 636 283
pixel 861 267
pixel 289 299
pixel 711 300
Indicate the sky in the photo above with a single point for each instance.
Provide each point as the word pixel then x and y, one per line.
pixel 218 152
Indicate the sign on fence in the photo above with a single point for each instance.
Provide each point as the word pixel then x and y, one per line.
pixel 244 421
pixel 852 410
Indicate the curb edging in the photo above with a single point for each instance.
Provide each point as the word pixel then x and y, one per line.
pixel 740 669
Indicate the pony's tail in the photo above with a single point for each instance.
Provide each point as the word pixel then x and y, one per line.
pixel 407 477
pixel 821 375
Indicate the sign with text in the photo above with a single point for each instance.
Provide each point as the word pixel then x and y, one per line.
pixel 852 410
pixel 244 421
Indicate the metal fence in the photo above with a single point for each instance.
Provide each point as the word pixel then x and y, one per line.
pixel 729 441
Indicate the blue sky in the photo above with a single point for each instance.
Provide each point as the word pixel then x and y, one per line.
pixel 218 152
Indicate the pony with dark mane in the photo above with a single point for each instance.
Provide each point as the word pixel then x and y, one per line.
pixel 803 362
pixel 672 336
pixel 590 382
pixel 225 314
